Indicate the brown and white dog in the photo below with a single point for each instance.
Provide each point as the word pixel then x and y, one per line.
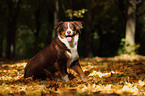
pixel 59 55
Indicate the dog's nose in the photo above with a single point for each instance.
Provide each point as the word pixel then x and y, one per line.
pixel 68 32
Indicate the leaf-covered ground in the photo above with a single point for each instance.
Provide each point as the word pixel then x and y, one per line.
pixel 116 76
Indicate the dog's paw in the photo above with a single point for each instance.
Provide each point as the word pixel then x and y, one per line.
pixel 65 78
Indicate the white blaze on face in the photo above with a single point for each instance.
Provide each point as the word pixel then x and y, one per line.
pixel 69 31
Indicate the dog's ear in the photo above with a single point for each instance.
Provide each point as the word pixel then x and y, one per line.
pixel 78 25
pixel 58 26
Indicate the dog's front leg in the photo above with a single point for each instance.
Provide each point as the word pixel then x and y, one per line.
pixel 63 72
pixel 76 66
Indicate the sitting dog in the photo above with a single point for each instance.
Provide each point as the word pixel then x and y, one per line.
pixel 59 55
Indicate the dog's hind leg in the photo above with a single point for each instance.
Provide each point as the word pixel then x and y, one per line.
pixel 48 74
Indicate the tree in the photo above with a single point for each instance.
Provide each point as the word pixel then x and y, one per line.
pixel 37 10
pixel 1 32
pixel 1 43
pixel 88 31
pixel 130 24
pixel 56 12
pixel 13 11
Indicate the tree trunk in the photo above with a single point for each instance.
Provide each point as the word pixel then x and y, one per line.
pixel 1 43
pixel 49 30
pixel 88 31
pixel 130 24
pixel 1 31
pixel 56 12
pixel 13 8
pixel 36 32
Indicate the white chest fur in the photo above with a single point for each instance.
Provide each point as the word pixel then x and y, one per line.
pixel 72 46
pixel 73 56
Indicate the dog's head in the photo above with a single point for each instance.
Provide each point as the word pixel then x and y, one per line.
pixel 68 29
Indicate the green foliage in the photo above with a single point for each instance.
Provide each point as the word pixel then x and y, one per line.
pixel 76 13
pixel 24 39
pixel 127 48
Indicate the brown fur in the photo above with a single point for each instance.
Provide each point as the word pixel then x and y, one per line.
pixel 52 59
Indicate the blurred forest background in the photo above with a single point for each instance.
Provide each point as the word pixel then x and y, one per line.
pixel 111 27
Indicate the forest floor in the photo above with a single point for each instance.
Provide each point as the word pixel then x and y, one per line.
pixel 114 76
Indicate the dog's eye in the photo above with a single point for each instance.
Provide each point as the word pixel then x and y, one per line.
pixel 65 27
pixel 71 27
